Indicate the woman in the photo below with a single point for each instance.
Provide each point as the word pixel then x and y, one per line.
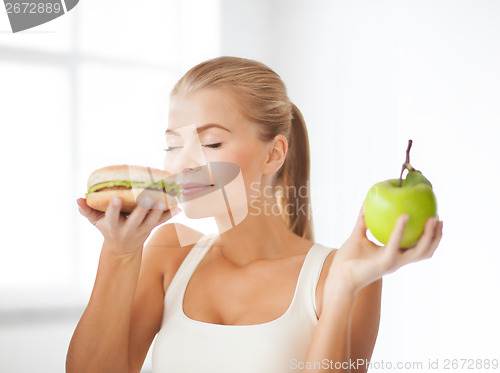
pixel 259 297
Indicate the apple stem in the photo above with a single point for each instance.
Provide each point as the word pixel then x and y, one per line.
pixel 406 165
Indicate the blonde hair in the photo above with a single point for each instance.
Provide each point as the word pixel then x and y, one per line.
pixel 263 100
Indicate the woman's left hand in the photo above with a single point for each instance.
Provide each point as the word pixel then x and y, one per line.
pixel 359 261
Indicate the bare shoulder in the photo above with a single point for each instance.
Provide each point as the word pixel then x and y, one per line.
pixel 164 251
pixel 167 235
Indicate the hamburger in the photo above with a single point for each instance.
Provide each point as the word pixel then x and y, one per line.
pixel 131 184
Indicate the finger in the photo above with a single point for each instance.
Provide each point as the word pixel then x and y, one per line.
pixel 424 244
pixel 87 211
pixel 112 214
pixel 360 226
pixel 138 214
pixel 158 215
pixel 170 214
pixel 394 242
pixel 83 207
pixel 153 216
pixel 435 241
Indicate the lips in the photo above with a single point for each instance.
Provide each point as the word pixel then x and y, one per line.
pixel 189 189
pixel 194 185
pixel 205 179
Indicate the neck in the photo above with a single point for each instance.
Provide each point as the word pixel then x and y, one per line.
pixel 258 236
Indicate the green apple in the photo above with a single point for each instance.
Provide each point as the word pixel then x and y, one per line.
pixel 389 199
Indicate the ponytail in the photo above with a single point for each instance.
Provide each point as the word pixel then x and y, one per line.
pixel 294 180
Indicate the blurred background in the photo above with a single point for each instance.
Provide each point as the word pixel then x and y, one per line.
pixel 91 89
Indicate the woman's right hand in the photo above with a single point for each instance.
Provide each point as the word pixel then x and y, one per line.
pixel 126 234
pixel 361 261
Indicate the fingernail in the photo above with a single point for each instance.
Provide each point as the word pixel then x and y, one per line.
pixel 116 201
pixel 159 205
pixel 146 202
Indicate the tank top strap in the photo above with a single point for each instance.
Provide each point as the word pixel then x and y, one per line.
pixel 179 282
pixel 309 276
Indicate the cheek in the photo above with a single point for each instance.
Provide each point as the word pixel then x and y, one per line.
pixel 252 174
pixel 247 160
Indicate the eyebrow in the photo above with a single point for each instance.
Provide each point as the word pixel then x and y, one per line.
pixel 200 129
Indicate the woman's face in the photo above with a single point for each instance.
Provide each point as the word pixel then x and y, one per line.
pixel 205 126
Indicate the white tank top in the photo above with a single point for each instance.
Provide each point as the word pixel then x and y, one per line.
pixel 185 345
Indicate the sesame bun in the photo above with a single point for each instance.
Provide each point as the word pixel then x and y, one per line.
pixel 131 184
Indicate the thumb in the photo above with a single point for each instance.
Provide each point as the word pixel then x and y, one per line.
pixel 360 226
pixel 91 214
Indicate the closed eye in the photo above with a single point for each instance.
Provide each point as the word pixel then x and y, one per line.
pixel 212 146
pixel 170 148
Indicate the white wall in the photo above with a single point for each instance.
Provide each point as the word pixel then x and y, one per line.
pixel 368 76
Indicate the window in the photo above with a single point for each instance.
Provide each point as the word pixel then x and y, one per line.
pixel 85 90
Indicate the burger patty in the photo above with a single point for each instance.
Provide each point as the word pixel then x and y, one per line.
pixel 120 187
pixel 170 188
pixel 112 188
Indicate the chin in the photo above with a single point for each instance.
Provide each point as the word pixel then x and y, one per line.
pixel 203 206
pixel 213 205
pixel 226 201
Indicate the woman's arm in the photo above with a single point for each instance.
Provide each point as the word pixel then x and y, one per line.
pixel 347 329
pixel 359 264
pixel 100 342
pixel 331 340
pixel 365 321
pixel 365 315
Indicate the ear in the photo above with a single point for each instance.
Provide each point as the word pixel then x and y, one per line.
pixel 276 155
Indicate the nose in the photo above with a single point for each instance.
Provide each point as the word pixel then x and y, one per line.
pixel 189 161
pixel 190 157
